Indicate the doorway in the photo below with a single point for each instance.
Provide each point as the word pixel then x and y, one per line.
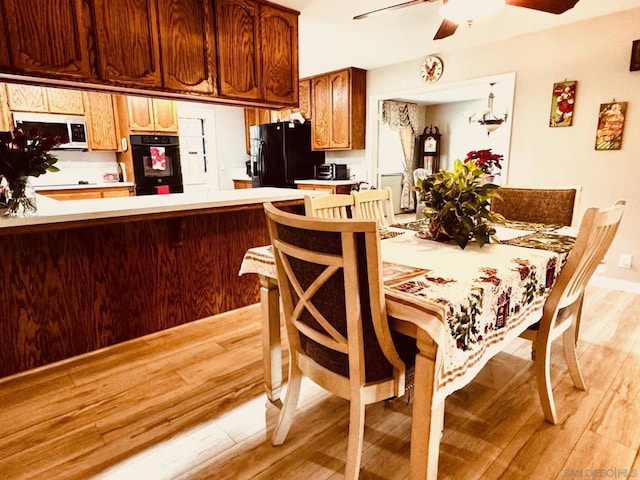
pixel 198 148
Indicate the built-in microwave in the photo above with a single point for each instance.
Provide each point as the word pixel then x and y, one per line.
pixel 73 126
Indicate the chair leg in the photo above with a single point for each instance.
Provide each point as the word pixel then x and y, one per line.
pixel 543 378
pixel 571 356
pixel 290 402
pixel 578 315
pixel 356 438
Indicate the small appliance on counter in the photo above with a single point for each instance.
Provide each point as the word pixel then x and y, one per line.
pixel 332 171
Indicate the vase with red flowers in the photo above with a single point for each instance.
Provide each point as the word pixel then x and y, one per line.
pixel 23 156
pixel 486 160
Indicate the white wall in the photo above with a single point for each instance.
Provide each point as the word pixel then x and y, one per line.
pixel 596 53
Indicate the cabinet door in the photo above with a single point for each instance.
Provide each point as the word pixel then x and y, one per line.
pixel 127 42
pixel 48 37
pixel 304 98
pixel 101 121
pixel 186 42
pixel 279 44
pixel 27 98
pixel 165 117
pixel 238 48
pixel 254 116
pixel 140 114
pixel 340 119
pixel 5 62
pixel 62 100
pixel 5 113
pixel 321 108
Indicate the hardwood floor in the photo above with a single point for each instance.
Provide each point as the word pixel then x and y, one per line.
pixel 187 403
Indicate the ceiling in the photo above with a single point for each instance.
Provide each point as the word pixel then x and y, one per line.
pixel 329 38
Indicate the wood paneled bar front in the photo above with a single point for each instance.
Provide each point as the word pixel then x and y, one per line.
pixel 86 274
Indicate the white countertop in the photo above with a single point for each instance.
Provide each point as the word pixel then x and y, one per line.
pixel 314 181
pixel 52 212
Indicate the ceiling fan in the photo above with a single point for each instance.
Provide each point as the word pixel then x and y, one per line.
pixel 449 25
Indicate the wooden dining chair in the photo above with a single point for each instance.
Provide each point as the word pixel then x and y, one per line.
pixel 329 206
pixel 329 275
pixel 563 308
pixel 555 206
pixel 374 205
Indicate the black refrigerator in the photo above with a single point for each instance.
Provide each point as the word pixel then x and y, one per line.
pixel 281 153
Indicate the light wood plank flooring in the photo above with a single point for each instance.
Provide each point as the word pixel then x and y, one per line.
pixel 188 403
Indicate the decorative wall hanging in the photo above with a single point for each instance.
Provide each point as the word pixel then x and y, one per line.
pixel 562 104
pixel 610 125
pixel 635 56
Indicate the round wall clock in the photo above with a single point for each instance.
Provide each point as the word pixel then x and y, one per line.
pixel 431 69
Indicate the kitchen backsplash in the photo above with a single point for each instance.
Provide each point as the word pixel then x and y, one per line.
pixel 79 166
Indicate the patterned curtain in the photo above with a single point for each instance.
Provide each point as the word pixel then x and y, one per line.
pixel 403 118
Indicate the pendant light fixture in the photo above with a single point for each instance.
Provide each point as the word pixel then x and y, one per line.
pixel 487 118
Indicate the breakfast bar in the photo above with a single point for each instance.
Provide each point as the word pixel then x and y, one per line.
pixel 86 274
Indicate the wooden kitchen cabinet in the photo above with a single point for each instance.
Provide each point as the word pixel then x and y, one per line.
pixel 6 124
pixel 5 59
pixel 102 125
pixel 304 96
pixel 342 189
pixel 188 61
pixel 149 114
pixel 27 98
pixel 279 54
pixel 127 42
pixel 33 98
pixel 48 37
pixel 88 193
pixel 254 116
pixel 257 51
pixel 338 105
pixel 63 100
pixel 239 184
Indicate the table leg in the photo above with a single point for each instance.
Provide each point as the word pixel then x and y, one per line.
pixel 428 420
pixel 271 342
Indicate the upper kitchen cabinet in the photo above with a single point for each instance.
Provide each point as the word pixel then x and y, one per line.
pixel 5 113
pixel 304 105
pixel 127 42
pixel 102 125
pixel 5 61
pixel 338 105
pixel 187 45
pixel 27 98
pixel 257 51
pixel 48 38
pixel 62 100
pixel 33 98
pixel 148 114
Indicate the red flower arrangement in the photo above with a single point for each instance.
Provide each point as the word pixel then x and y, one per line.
pixel 485 160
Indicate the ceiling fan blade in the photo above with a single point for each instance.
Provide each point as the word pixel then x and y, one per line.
pixel 392 7
pixel 447 28
pixel 549 6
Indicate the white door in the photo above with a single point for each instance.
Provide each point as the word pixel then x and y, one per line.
pixel 196 127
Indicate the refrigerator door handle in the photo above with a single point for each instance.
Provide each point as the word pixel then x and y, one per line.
pixel 261 162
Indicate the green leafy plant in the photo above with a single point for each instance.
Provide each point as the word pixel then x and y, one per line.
pixel 457 204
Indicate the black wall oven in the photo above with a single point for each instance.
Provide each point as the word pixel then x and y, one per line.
pixel 156 164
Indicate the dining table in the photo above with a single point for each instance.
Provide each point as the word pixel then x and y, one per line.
pixel 472 303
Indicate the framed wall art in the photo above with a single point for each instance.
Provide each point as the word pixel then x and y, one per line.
pixel 610 125
pixel 562 104
pixel 635 56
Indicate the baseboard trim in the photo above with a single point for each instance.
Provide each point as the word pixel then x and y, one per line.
pixel 616 284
